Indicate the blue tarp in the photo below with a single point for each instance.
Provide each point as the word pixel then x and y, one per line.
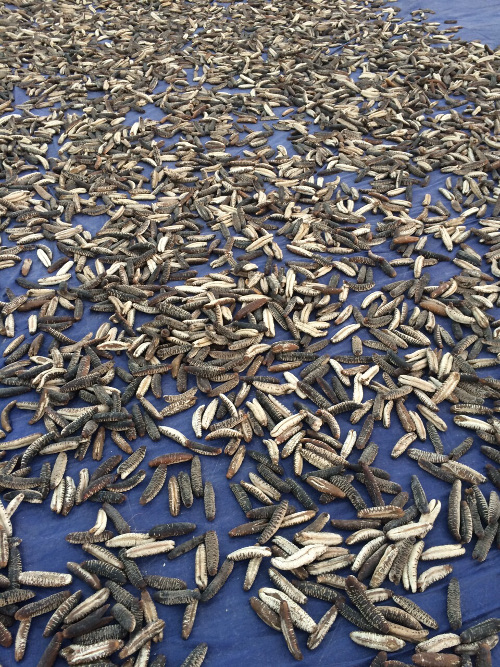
pixel 234 634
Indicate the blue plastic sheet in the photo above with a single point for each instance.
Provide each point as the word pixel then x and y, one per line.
pixel 233 632
pixel 480 20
